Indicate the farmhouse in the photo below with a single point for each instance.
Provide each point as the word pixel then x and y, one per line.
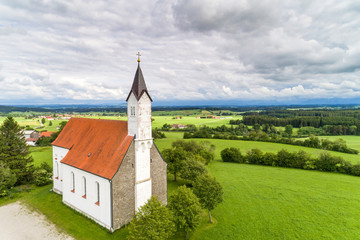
pixel 107 169
pixel 31 137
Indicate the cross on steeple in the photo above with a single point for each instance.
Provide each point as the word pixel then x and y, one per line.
pixel 138 54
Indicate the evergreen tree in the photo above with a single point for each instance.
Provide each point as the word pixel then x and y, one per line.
pixel 14 152
pixel 152 221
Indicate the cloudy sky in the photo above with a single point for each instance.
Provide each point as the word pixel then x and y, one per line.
pixel 240 51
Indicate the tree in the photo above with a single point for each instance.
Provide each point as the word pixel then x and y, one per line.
pixel 289 130
pixel 175 158
pixel 50 123
pixel 191 170
pixel 209 191
pixel 43 120
pixel 231 155
pixel 7 180
pixel 152 221
pixel 186 208
pixel 14 152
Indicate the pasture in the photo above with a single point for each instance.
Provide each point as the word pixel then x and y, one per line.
pixel 247 145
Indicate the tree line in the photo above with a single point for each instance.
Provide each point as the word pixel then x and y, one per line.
pixel 283 158
pixel 268 133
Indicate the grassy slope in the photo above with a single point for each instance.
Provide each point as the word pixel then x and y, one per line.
pixel 247 145
pixel 351 141
pixel 278 203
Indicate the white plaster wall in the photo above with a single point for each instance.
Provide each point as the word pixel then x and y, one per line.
pixel 58 154
pixel 144 119
pixel 142 193
pixel 132 120
pixel 100 213
pixel 142 159
pixel 31 143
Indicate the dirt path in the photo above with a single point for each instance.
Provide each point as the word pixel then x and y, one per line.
pixel 17 222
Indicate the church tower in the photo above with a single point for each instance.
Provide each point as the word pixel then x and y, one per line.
pixel 139 126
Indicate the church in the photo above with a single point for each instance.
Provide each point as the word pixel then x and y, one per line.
pixel 107 169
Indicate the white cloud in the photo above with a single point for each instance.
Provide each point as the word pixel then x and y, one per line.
pixel 191 50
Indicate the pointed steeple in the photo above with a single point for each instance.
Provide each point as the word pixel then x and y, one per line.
pixel 139 86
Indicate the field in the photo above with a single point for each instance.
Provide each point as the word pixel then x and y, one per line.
pixel 247 145
pixel 259 203
pixel 278 203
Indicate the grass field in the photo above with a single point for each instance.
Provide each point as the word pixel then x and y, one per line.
pixel 247 145
pixel 259 203
pixel 41 154
pixel 278 203
pixel 351 141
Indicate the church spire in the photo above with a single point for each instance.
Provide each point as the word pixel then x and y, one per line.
pixel 139 86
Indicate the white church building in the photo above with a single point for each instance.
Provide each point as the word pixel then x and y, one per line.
pixel 107 169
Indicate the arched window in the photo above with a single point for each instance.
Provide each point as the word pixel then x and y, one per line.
pixel 84 187
pixel 97 193
pixel 72 182
pixel 57 170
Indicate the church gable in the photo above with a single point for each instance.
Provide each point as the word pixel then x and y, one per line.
pixel 95 146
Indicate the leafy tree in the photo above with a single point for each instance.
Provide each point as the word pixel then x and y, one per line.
pixel 231 155
pixel 191 170
pixel 175 158
pixel 14 152
pixel 152 221
pixel 186 208
pixel 209 191
pixel 43 120
pixel 205 149
pixel 156 134
pixel 7 180
pixel 289 130
pixel 50 123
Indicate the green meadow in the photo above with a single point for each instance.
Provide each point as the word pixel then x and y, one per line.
pixel 259 202
pixel 247 145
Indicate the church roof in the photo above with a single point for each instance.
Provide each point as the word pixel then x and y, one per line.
pixel 139 86
pixel 96 146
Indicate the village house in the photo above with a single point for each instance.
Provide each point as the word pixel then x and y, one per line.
pixel 31 136
pixel 107 169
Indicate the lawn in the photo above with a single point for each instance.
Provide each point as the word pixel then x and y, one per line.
pixel 247 145
pixel 41 154
pixel 279 203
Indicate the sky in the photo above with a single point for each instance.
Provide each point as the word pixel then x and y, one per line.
pixel 192 51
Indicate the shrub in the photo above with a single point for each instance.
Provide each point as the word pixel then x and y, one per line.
pixel 328 163
pixel 7 180
pixel 269 159
pixel 231 155
pixel 42 177
pixel 254 156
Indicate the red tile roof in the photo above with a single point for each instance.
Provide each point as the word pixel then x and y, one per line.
pixel 96 146
pixel 32 139
pixel 46 134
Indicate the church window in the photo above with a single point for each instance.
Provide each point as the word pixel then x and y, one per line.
pixel 72 182
pixel 132 111
pixel 84 187
pixel 97 193
pixel 56 170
